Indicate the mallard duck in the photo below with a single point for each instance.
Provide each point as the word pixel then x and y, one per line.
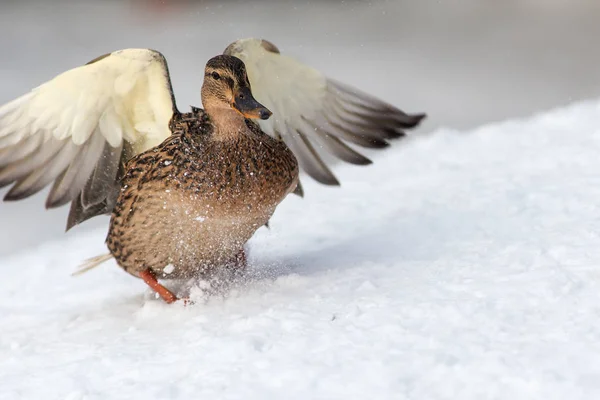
pixel 185 190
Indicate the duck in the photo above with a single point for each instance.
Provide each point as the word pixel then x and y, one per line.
pixel 185 191
pixel 192 202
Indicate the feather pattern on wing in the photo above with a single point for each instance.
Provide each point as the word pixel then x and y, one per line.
pixel 72 129
pixel 312 112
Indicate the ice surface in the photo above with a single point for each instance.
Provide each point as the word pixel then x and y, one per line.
pixel 460 266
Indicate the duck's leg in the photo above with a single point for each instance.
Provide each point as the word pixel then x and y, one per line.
pixel 150 278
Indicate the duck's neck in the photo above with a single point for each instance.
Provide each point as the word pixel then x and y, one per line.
pixel 228 123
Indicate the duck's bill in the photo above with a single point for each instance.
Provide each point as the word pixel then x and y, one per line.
pixel 245 103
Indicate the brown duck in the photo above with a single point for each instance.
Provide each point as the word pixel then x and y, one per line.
pixel 192 202
pixel 185 191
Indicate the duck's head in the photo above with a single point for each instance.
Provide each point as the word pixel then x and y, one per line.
pixel 226 87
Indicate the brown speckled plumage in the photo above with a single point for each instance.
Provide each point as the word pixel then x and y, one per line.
pixel 192 202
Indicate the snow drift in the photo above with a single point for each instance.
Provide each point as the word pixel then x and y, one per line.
pixel 459 265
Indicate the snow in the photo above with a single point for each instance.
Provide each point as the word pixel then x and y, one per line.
pixel 169 269
pixel 463 265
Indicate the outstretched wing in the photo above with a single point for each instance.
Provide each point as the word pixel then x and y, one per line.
pixel 75 129
pixel 311 111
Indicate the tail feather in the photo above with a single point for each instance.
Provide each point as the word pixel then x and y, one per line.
pixel 91 263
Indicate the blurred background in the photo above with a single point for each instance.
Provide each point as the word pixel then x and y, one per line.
pixel 464 62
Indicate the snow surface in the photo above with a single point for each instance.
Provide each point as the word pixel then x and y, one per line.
pixel 463 265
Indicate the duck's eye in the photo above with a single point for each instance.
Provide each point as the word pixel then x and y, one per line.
pixel 216 76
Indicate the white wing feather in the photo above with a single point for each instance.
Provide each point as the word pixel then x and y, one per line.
pixel 62 129
pixel 311 110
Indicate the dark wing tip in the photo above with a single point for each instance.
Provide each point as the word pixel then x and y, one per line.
pixel 79 213
pixel 299 191
pixel 378 143
pixel 416 119
pixel 55 203
pixel 308 157
pixel 269 46
pixel 16 194
pixel 329 180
